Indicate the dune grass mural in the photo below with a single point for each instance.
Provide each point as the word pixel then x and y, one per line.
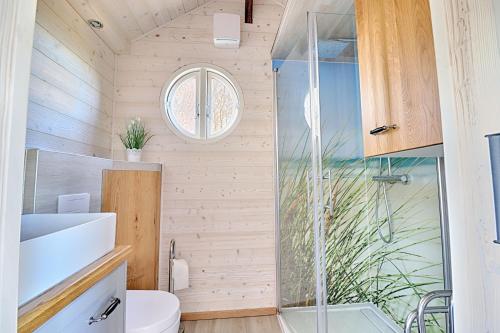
pixel 360 267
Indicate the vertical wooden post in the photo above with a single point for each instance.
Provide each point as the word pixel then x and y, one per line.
pixel 248 11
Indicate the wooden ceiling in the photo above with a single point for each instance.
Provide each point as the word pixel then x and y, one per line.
pixel 126 20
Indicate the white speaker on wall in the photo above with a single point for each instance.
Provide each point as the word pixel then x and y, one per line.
pixel 227 31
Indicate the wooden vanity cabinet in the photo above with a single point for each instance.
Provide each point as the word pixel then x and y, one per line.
pixel 398 78
pixel 76 317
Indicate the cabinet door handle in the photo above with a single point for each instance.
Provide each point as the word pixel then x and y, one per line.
pixel 115 301
pixel 382 129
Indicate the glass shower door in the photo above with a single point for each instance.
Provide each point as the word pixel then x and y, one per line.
pixel 371 268
pixel 336 142
pixel 296 261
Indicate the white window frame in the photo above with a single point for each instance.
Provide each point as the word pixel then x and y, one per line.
pixel 204 72
pixel 177 82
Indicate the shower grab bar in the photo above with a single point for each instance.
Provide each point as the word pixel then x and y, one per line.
pixel 424 302
pixel 171 257
pixel 412 316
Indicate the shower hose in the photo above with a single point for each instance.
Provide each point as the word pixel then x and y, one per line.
pixel 386 239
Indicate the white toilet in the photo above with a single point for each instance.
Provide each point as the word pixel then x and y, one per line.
pixel 152 311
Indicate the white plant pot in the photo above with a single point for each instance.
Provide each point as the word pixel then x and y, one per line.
pixel 134 155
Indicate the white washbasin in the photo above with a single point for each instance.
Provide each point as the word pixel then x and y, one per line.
pixel 55 246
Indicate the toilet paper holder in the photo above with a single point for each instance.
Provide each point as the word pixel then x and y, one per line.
pixel 171 257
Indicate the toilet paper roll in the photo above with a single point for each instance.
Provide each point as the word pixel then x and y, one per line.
pixel 180 274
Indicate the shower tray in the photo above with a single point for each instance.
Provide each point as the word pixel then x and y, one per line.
pixel 344 318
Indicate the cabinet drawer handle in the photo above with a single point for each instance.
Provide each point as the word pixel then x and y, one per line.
pixel 382 129
pixel 109 310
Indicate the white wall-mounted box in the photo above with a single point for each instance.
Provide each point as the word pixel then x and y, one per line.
pixel 227 32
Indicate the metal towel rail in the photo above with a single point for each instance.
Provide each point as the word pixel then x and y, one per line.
pixel 423 309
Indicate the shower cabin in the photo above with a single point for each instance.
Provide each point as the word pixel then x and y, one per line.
pixel 362 242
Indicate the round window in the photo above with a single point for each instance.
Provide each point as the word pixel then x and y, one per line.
pixel 202 102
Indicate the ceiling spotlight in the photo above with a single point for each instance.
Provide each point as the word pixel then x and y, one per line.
pixel 95 24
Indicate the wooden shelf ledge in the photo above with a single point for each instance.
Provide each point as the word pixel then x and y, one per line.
pixel 39 310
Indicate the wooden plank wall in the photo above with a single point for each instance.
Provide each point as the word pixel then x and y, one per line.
pixel 217 199
pixel 468 63
pixel 71 87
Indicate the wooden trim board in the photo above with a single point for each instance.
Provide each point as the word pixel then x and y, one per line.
pixel 35 313
pixel 224 314
pixel 16 37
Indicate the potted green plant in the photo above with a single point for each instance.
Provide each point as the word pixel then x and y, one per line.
pixel 134 139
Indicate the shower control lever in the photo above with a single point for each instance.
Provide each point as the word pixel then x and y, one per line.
pixel 382 129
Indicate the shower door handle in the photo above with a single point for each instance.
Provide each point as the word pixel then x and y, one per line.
pixel 330 192
pixel 308 191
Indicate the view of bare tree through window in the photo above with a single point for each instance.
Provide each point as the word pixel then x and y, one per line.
pixel 223 106
pixel 183 105
pixel 202 114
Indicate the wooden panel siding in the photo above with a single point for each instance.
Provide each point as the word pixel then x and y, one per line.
pixel 126 20
pixel 71 87
pixel 218 198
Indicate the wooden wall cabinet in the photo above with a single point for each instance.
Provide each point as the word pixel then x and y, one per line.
pixel 398 76
pixel 135 198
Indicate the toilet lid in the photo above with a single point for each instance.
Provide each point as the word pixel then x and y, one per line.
pixel 151 311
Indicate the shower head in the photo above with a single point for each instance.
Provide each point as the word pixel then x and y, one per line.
pixel 346 39
pixel 332 48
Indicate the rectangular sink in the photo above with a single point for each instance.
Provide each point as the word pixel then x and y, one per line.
pixel 55 246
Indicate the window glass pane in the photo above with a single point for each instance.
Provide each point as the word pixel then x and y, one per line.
pixel 223 107
pixel 182 110
pixel 202 103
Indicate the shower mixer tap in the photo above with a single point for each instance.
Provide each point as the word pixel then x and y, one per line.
pixel 392 179
pixel 382 180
